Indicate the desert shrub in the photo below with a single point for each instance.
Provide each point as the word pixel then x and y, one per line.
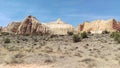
pixel 36 40
pixel 116 36
pixel 4 33
pixel 76 38
pixel 53 36
pixel 48 61
pixel 112 34
pixel 48 49
pixel 7 40
pixel 25 39
pixel 84 35
pixel 18 41
pixel 26 34
pixel 13 58
pixel 118 39
pixel 70 33
pixel 89 32
pixel 105 32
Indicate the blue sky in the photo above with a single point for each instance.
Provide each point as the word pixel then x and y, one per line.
pixel 71 11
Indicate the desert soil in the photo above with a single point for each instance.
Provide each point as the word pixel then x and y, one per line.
pixel 96 51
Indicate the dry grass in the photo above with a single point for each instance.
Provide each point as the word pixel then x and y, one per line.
pixel 58 51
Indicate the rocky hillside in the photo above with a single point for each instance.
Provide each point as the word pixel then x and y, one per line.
pixel 99 25
pixel 96 51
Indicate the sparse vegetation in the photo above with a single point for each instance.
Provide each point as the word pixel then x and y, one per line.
pixel 79 36
pixel 48 49
pixel 52 36
pixel 35 48
pixel 84 35
pixel 118 39
pixel 25 39
pixel 18 41
pixel 6 40
pixel 105 32
pixel 13 58
pixel 116 36
pixel 76 38
pixel 4 33
pixel 70 33
pixel 26 34
pixel 89 32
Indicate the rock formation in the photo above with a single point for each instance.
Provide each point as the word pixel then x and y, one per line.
pixel 32 26
pixel 99 26
pixel 29 26
pixel 12 27
pixel 59 27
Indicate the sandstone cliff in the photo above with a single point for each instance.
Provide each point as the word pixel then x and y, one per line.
pixel 12 27
pixel 59 27
pixel 32 26
pixel 28 26
pixel 99 25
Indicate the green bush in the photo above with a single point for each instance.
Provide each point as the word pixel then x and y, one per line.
pixel 118 39
pixel 112 34
pixel 4 33
pixel 7 40
pixel 70 33
pixel 76 38
pixel 116 36
pixel 84 35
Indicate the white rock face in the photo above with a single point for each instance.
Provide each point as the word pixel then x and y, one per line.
pixel 59 27
pixel 99 26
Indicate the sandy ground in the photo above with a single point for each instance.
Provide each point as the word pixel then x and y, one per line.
pixel 24 66
pixel 97 51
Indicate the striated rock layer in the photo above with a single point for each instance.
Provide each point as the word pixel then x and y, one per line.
pixel 59 27
pixel 99 26
pixel 32 26
pixel 28 26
